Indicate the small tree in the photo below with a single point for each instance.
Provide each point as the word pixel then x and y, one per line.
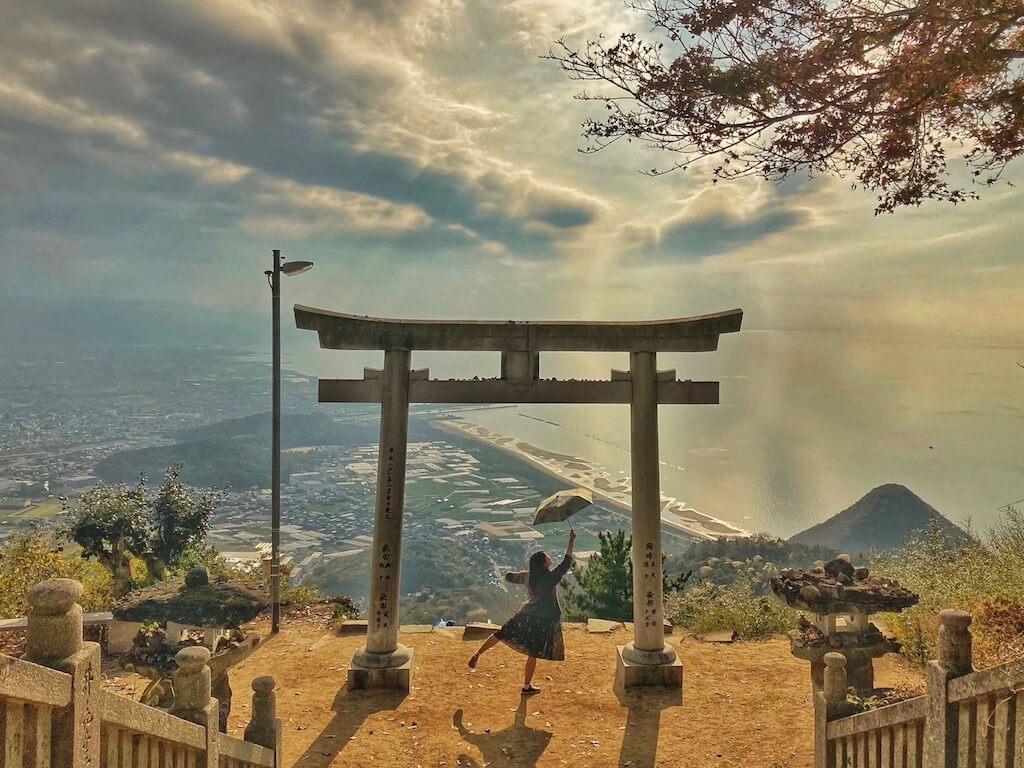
pixel 114 523
pixel 178 520
pixel 109 524
pixel 605 584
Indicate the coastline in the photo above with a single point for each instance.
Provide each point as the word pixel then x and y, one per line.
pixel 585 474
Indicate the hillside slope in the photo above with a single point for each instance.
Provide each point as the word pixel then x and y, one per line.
pixel 879 521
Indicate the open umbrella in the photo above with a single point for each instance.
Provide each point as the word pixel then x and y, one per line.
pixel 563 505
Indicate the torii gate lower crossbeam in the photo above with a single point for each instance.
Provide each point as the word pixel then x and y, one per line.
pixel 648 660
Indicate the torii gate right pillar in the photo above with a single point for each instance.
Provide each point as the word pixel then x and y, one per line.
pixel 648 660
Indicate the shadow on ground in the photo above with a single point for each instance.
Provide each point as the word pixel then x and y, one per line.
pixel 351 709
pixel 517 746
pixel 643 721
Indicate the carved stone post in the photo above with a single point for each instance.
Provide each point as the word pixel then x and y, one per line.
pixel 829 704
pixel 955 660
pixel 648 659
pixel 192 699
pixel 264 728
pixel 955 653
pixel 836 684
pixel 54 639
pixel 384 662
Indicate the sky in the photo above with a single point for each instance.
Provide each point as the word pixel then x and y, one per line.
pixel 427 158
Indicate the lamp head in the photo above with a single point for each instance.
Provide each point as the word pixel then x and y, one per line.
pixel 296 267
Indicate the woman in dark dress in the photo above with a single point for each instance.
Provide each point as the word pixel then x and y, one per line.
pixel 536 629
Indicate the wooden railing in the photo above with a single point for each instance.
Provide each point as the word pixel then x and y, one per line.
pixel 54 714
pixel 966 719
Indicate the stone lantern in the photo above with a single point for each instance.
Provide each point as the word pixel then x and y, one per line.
pixel 841 599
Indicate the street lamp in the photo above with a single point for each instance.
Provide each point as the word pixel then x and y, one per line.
pixel 274 278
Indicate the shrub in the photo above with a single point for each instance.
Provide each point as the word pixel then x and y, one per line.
pixel 29 558
pixel 707 607
pixel 344 608
pixel 981 576
pixel 299 597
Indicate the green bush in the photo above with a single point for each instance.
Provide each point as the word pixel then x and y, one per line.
pixel 29 558
pixel 981 576
pixel 707 607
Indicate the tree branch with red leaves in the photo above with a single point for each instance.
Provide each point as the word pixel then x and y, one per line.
pixel 886 93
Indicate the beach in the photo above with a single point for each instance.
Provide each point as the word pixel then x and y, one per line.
pixel 583 473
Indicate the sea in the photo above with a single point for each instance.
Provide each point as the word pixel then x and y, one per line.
pixel 809 421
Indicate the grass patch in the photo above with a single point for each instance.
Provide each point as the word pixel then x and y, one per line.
pixel 706 607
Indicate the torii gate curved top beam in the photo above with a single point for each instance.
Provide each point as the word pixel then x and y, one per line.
pixel 686 334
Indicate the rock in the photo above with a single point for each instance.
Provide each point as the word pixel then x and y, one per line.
pixel 197 577
pixel 809 593
pixel 860 574
pixel 841 566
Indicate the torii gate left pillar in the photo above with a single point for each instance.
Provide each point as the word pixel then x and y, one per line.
pixel 648 660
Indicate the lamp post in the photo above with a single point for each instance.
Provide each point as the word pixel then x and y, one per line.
pixel 274 278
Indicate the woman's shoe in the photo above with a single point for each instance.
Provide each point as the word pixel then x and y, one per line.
pixel 473 661
pixel 530 689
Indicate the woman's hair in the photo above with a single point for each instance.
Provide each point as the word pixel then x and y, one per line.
pixel 538 567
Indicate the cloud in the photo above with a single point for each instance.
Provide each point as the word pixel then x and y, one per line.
pixel 330 97
pixel 716 221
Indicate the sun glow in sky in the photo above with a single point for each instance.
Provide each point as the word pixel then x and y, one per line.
pixel 425 156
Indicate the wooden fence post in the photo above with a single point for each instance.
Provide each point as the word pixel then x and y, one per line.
pixel 54 639
pixel 264 728
pixel 955 660
pixel 192 700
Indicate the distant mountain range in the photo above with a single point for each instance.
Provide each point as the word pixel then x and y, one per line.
pixel 879 521
pixel 54 325
pixel 235 452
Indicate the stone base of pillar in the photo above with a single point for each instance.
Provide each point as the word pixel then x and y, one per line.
pixel 630 674
pixel 365 671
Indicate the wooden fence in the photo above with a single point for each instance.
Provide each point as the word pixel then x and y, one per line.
pixel 966 719
pixel 54 713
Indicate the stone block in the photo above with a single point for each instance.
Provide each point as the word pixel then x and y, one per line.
pixel 353 627
pixel 120 635
pixel 478 630
pixel 630 675
pixel 362 678
pixel 416 629
pixel 725 636
pixel 603 626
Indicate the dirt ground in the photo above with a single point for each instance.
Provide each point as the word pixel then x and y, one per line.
pixel 746 704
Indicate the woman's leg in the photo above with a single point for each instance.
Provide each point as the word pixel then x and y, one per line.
pixel 489 643
pixel 531 665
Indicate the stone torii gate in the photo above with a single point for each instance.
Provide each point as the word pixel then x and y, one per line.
pixel 648 659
